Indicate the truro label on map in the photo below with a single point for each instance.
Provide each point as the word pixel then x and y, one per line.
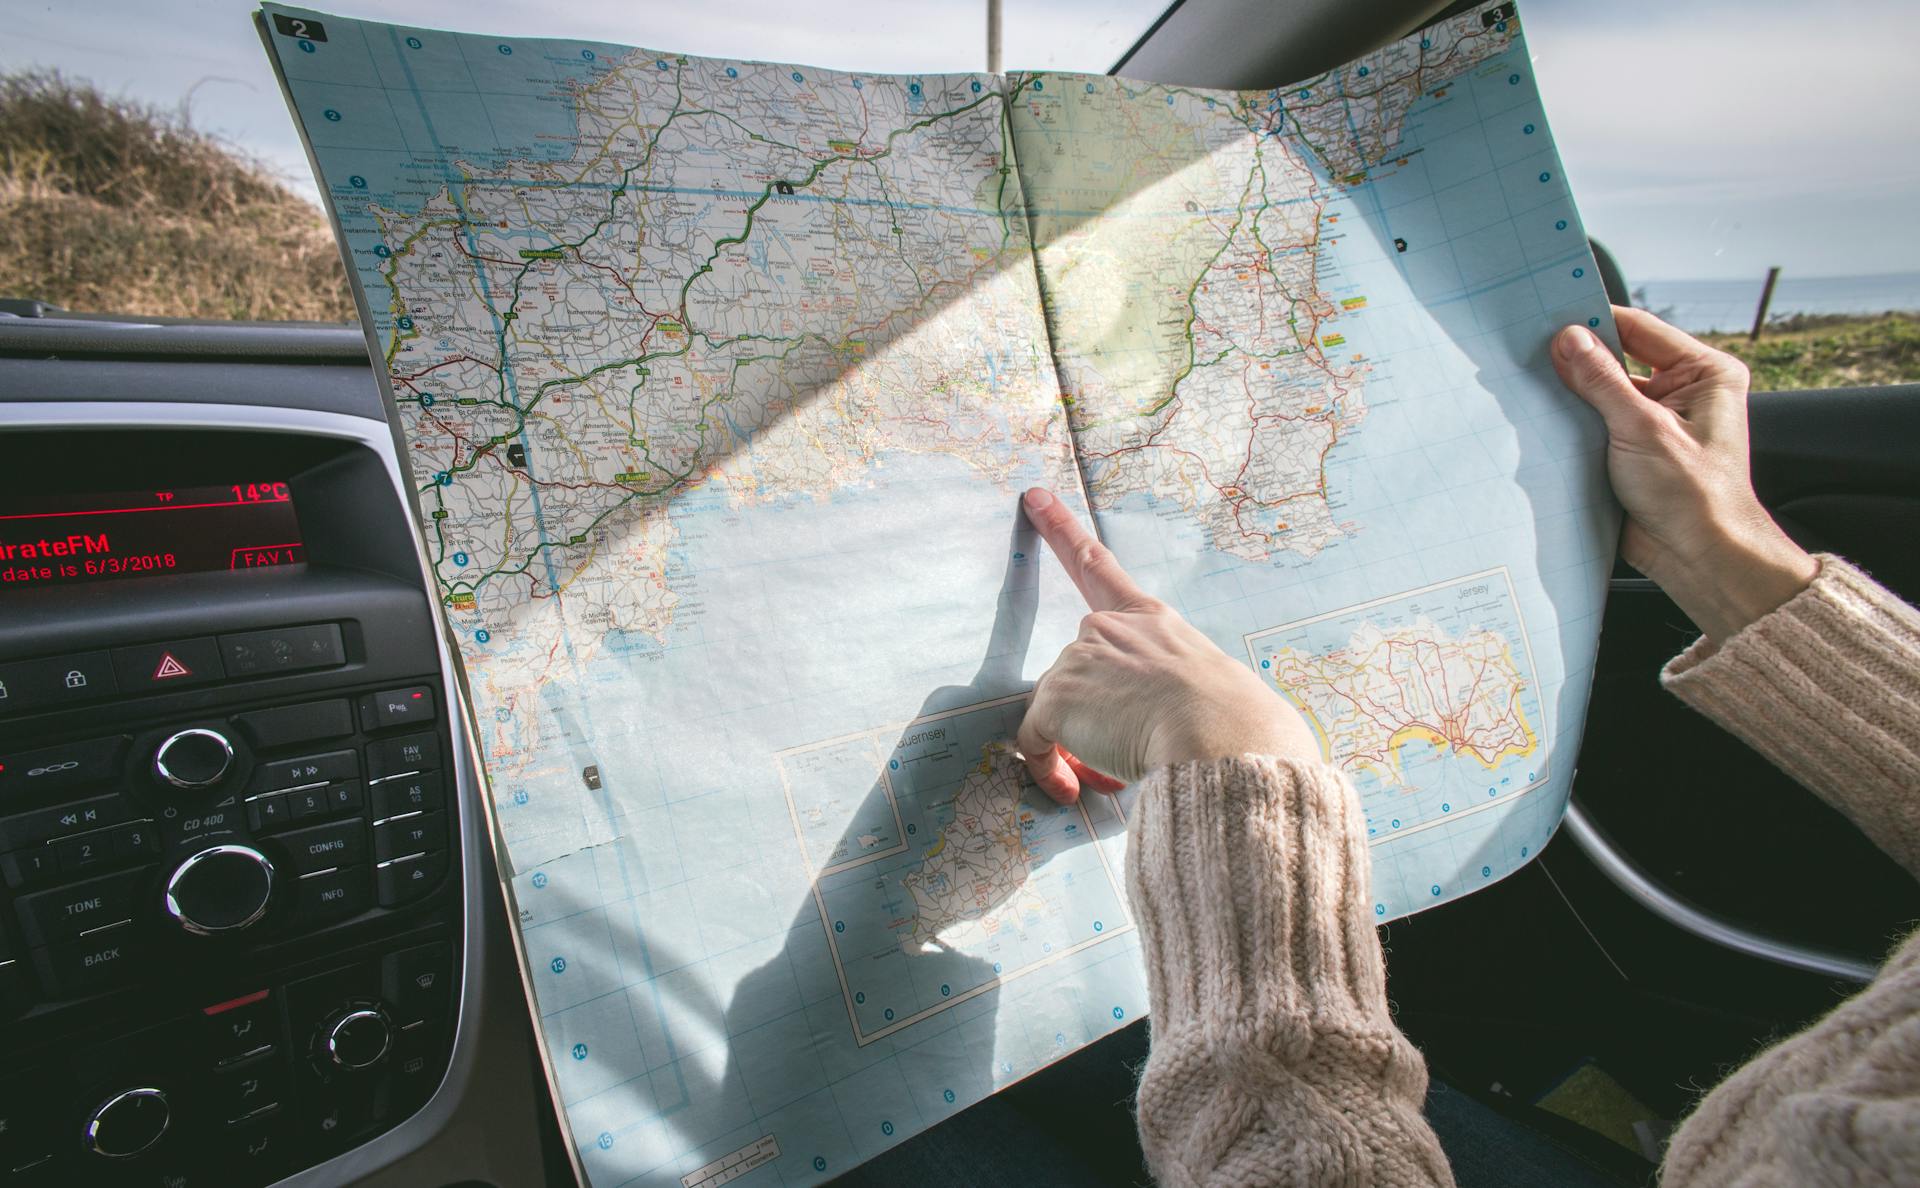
pixel 718 383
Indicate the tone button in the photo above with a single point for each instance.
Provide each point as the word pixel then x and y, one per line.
pixel 51 917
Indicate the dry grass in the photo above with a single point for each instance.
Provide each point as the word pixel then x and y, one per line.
pixel 108 205
pixel 1830 351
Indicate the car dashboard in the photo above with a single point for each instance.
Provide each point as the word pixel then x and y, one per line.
pixel 248 908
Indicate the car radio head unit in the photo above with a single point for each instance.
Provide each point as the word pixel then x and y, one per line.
pixel 56 539
pixel 231 913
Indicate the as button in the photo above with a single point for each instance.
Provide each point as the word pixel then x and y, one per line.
pixel 409 794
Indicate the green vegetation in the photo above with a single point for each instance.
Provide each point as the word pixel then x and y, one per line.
pixel 108 205
pixel 1830 351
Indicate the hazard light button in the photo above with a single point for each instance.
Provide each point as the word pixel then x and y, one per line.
pixel 176 664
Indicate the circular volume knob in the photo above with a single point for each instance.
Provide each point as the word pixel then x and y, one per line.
pixel 220 889
pixel 127 1123
pixel 357 1038
pixel 196 758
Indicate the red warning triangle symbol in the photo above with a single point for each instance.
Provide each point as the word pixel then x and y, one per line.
pixel 169 667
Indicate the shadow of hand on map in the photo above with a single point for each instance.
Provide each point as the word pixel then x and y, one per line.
pixel 819 1054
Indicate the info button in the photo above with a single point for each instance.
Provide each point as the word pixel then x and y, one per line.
pixel 174 665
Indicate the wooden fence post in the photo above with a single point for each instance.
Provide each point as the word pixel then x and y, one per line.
pixel 1766 299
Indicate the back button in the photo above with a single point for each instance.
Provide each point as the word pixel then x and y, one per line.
pixel 99 962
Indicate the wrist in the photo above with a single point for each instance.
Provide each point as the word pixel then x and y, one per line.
pixel 1267 727
pixel 1740 577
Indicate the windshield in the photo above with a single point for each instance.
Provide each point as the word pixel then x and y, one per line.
pixel 159 172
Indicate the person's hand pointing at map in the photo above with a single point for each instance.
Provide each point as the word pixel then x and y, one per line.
pixel 1140 687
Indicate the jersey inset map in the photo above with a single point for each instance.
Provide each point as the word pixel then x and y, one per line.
pixel 1427 699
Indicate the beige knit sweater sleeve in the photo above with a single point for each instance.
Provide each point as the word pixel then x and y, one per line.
pixel 1274 1060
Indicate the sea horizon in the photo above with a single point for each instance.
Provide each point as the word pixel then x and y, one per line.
pixel 1702 305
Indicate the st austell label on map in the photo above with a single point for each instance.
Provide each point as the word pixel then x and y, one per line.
pixel 718 381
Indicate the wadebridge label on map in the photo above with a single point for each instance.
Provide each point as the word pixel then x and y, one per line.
pixel 719 381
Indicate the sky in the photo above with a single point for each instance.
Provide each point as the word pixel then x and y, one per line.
pixel 1704 139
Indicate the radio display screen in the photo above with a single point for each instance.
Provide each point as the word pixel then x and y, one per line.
pixel 48 540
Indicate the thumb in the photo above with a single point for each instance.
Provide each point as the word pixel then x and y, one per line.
pixel 1045 760
pixel 1590 370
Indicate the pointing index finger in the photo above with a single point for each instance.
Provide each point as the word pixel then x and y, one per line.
pixel 1089 563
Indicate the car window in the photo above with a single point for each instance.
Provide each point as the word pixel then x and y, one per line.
pixel 159 172
pixel 1706 144
pixel 1711 141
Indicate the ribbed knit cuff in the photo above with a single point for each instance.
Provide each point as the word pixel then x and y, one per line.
pixel 1827 687
pixel 1249 878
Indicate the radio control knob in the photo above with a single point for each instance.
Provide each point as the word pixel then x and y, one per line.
pixel 127 1123
pixel 356 1039
pixel 221 889
pixel 195 758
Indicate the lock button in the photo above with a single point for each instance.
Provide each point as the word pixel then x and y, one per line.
pixel 56 681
